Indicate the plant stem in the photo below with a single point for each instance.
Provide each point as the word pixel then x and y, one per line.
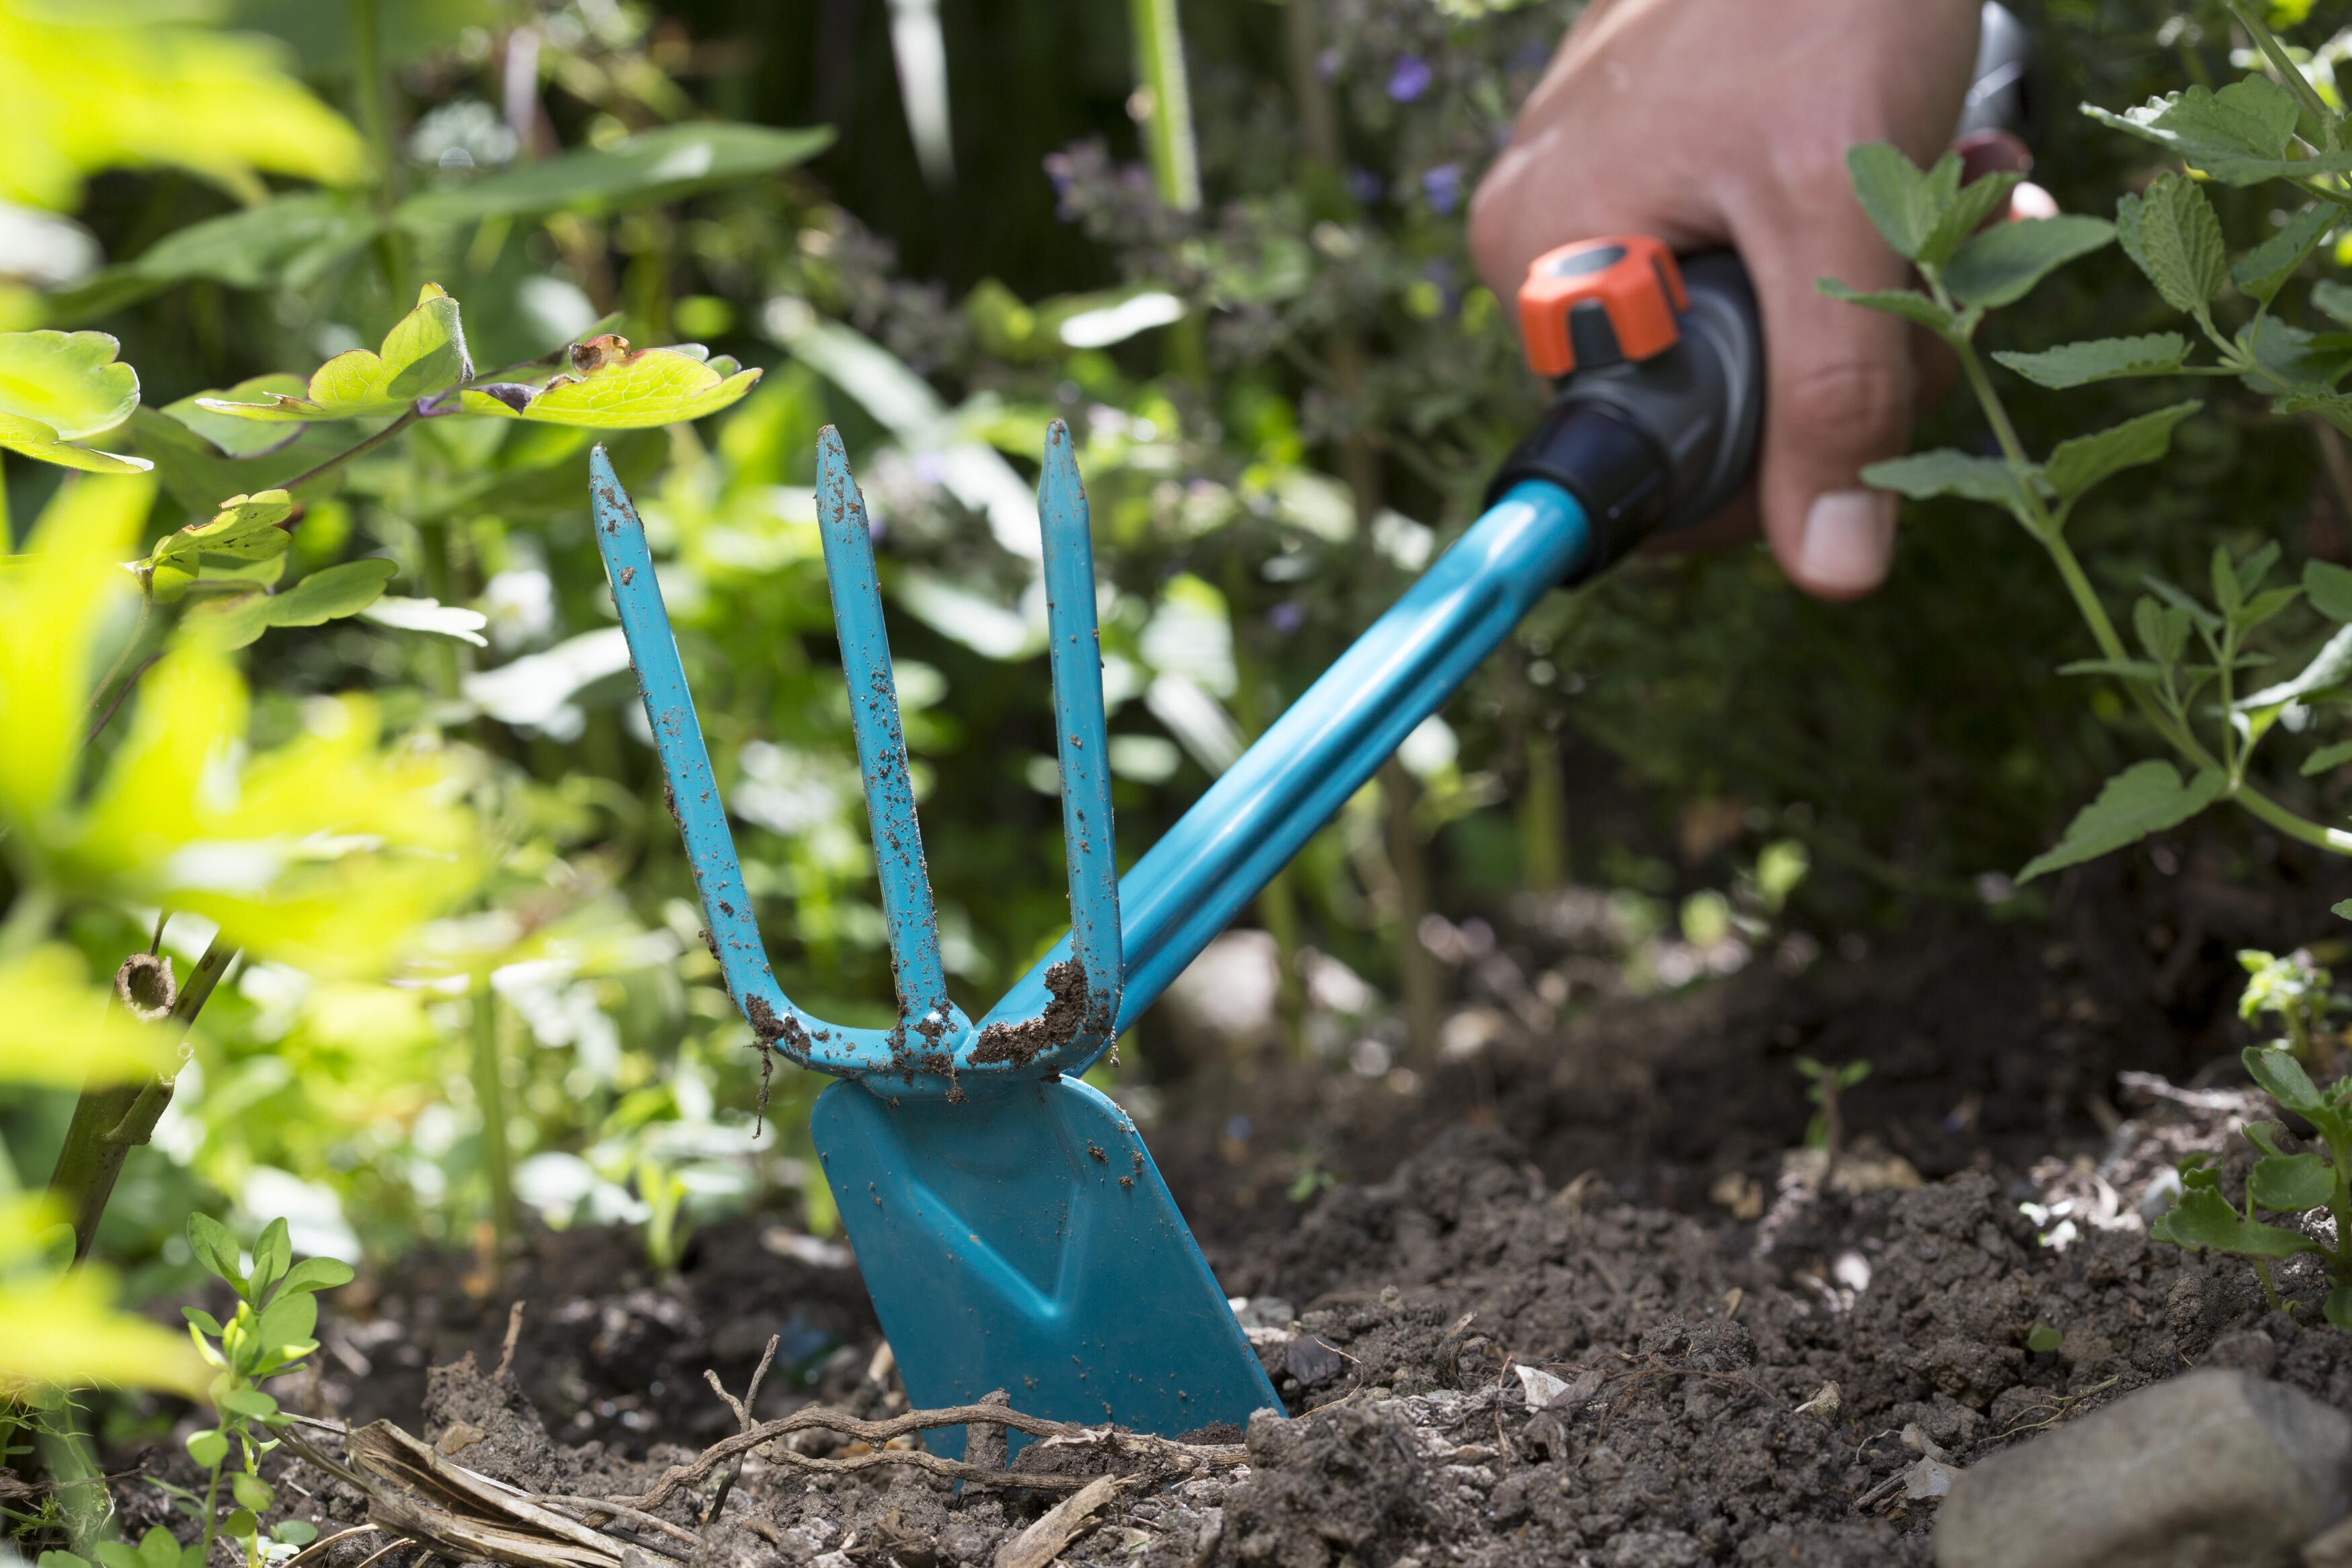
pixel 1168 127
pixel 211 1515
pixel 490 1093
pixel 360 449
pixel 110 1120
pixel 369 69
pixel 2291 76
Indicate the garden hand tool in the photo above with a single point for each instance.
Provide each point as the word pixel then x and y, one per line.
pixel 1011 1227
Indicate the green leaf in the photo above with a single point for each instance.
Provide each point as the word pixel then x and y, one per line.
pixel 202 1320
pixel 2310 363
pixel 323 596
pixel 2181 600
pixel 2329 668
pixel 288 1321
pixel 198 474
pixel 2329 588
pixel 2145 797
pixel 2000 266
pixel 2126 669
pixel 246 529
pixel 2338 1308
pixel 651 166
pixel 296 1531
pixel 2291 1183
pixel 55 1559
pixel 2241 135
pixel 614 387
pixel 250 1403
pixel 252 1491
pixel 2282 1078
pixel 2326 760
pixel 2202 1219
pixel 316 1274
pixel 425 353
pixel 2333 300
pixel 57 388
pixel 2042 1339
pixel 215 1249
pixel 2263 271
pixel 290 242
pixel 2076 466
pixel 2265 1136
pixel 2171 234
pixel 2163 631
pixel 1944 472
pixel 1903 200
pixel 208 1448
pixel 272 1254
pixel 1977 201
pixel 1909 304
pixel 2100 360
pixel 240 1523
pixel 2255 565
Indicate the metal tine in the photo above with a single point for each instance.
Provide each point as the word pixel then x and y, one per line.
pixel 881 744
pixel 693 792
pixel 1076 651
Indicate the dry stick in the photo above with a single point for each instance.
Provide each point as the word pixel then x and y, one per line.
pixel 319 1548
pixel 744 1421
pixel 514 1332
pixel 1184 1456
pixel 598 1505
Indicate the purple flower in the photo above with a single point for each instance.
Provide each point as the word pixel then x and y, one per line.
pixel 1409 78
pixel 1326 64
pixel 1285 617
pixel 1442 188
pixel 1364 186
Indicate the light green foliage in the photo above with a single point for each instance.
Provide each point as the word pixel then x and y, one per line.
pixel 268 1335
pixel 2000 266
pixel 2240 135
pixel 2297 989
pixel 2145 797
pixel 614 387
pixel 62 387
pixel 661 164
pixel 1944 472
pixel 1824 1085
pixel 2083 461
pixel 2263 271
pixel 2042 1339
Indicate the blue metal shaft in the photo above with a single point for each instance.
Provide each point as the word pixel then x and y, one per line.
pixel 693 792
pixel 1303 768
pixel 1074 645
pixel 906 907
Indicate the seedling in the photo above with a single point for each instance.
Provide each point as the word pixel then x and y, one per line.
pixel 268 1336
pixel 2281 1182
pixel 1826 1130
pixel 2299 991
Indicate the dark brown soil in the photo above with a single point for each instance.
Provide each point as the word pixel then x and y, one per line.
pixel 1744 1363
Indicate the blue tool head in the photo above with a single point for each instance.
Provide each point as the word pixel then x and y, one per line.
pixel 1011 1227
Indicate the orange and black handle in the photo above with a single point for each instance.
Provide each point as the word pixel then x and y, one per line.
pixel 1659 360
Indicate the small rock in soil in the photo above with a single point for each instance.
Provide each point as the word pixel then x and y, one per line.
pixel 2212 1469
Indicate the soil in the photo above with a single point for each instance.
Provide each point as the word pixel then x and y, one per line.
pixel 1570 1291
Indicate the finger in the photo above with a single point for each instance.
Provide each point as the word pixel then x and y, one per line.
pixel 1842 383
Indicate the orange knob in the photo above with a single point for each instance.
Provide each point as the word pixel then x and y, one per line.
pixel 1599 302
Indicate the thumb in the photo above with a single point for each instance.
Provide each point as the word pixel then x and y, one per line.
pixel 1840 394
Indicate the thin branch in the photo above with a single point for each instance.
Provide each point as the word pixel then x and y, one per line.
pixel 359 449
pixel 598 1505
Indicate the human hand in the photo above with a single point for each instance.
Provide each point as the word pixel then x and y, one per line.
pixel 1706 122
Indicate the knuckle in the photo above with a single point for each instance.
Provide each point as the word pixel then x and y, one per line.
pixel 1856 405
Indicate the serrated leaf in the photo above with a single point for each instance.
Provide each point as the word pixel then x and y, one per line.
pixel 57 388
pixel 2145 797
pixel 2263 271
pixel 2291 1183
pixel 2329 668
pixel 2200 1219
pixel 425 353
pixel 2181 600
pixel 614 387
pixel 2326 758
pixel 215 1249
pixel 653 165
pixel 1906 202
pixel 2000 266
pixel 2282 1078
pixel 2076 466
pixel 2171 234
pixel 2100 360
pixel 1976 202
pixel 2240 135
pixel 1909 304
pixel 1944 472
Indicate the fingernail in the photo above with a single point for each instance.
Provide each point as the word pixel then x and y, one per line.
pixel 1848 540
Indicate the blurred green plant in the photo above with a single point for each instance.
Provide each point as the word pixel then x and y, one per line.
pixel 2301 992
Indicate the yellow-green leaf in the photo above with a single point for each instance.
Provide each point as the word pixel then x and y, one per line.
pixel 64 1329
pixel 53 604
pixel 64 1031
pixel 423 354
pixel 61 387
pixel 246 529
pixel 614 387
